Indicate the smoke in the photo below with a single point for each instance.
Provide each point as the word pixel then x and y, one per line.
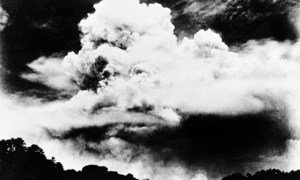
pixel 144 64
pixel 143 101
pixel 28 118
pixel 3 18
pixel 297 20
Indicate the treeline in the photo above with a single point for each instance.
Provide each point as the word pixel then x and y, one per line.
pixel 19 162
pixel 272 174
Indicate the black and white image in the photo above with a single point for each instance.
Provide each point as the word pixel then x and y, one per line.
pixel 149 89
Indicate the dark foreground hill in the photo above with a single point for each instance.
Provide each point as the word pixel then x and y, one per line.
pixel 19 162
pixel 272 174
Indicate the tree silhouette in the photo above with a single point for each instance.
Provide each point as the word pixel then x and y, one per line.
pixel 271 174
pixel 18 162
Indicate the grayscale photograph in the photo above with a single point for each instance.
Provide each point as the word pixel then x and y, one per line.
pixel 149 90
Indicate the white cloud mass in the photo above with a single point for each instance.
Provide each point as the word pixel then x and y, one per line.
pixel 147 65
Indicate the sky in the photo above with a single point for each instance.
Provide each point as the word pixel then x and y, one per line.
pixel 162 90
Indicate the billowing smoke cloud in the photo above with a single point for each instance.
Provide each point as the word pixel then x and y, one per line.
pixel 143 101
pixel 29 119
pixel 3 19
pixel 137 61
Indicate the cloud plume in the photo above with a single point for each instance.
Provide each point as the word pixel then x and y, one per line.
pixel 141 62
pixel 142 97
